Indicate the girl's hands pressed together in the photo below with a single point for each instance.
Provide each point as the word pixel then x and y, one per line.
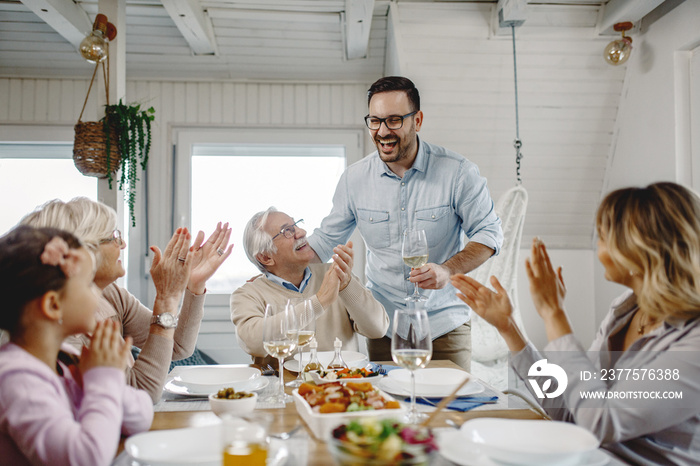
pixel 107 348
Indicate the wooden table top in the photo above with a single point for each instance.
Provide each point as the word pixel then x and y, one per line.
pixel 286 418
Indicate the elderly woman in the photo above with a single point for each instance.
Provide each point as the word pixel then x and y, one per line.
pixel 161 334
pixel 647 345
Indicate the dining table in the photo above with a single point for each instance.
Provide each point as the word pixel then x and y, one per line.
pixel 175 413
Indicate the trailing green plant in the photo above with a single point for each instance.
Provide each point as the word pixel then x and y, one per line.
pixel 133 129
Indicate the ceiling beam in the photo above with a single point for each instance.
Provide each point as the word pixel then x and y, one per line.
pixel 357 22
pixel 194 25
pixel 617 11
pixel 64 16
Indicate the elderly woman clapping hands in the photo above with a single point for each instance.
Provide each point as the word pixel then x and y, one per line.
pixel 162 334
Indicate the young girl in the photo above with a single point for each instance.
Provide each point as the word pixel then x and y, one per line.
pixel 52 412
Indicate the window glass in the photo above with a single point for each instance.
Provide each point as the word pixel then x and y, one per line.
pixel 230 183
pixel 32 174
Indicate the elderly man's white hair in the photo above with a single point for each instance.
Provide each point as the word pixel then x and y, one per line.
pixel 256 240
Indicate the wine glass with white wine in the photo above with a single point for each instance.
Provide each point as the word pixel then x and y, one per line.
pixel 307 329
pixel 411 348
pixel 280 339
pixel 414 251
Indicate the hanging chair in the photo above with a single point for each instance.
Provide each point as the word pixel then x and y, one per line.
pixel 489 350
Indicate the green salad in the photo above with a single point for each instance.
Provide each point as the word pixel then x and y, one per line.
pixel 385 440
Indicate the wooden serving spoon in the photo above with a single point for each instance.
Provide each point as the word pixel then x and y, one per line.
pixel 445 401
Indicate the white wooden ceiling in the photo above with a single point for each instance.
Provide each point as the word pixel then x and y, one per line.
pixel 254 40
pixel 296 49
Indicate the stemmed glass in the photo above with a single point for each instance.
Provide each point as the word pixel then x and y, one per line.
pixel 414 251
pixel 280 337
pixel 411 348
pixel 307 329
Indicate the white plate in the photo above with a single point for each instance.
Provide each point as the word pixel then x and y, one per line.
pixel 431 380
pixel 351 358
pixel 520 441
pixel 178 388
pixel 212 378
pixel 456 448
pixel 199 446
pixel 398 382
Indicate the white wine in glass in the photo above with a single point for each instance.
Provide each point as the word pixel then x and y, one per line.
pixel 414 251
pixel 280 338
pixel 306 320
pixel 411 348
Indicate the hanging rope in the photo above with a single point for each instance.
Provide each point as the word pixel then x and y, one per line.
pixel 517 143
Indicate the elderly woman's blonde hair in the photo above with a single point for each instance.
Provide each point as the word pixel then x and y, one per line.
pixel 655 232
pixel 91 221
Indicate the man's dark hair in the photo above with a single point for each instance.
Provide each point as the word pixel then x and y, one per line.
pixel 396 83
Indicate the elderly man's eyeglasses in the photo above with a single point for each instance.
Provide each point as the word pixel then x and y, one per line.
pixel 289 231
pixel 391 122
pixel 116 237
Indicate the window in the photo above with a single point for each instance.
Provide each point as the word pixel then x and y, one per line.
pixel 230 183
pixel 32 174
pixel 230 175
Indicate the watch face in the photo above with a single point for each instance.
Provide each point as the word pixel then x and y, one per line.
pixel 167 320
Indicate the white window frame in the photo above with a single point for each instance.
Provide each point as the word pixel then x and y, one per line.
pixel 185 138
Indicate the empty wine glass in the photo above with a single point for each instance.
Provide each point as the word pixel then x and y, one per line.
pixel 411 348
pixel 280 337
pixel 307 329
pixel 414 251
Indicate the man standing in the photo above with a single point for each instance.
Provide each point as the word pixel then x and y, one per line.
pixel 276 244
pixel 411 184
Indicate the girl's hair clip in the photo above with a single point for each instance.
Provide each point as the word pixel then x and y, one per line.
pixel 57 253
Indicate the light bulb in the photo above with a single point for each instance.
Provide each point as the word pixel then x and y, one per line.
pixel 618 51
pixel 94 47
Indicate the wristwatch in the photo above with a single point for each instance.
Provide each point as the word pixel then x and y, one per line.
pixel 165 320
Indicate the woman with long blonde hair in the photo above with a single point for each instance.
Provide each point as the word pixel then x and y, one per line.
pixel 638 386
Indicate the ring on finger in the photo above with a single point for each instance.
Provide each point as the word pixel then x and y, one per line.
pixel 220 252
pixel 181 259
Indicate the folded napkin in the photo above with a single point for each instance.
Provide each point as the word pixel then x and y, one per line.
pixel 462 403
pixel 374 367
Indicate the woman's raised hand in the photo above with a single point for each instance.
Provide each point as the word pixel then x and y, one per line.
pixel 546 286
pixel 207 257
pixel 107 348
pixel 494 307
pixel 171 269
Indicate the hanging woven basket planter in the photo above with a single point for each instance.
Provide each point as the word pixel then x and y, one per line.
pixel 95 152
pixel 90 153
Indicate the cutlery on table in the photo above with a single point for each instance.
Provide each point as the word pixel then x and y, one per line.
pixel 190 398
pixel 268 370
pixel 445 401
pixel 286 435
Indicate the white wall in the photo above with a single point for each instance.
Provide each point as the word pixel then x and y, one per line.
pixel 647 123
pixel 646 130
pixel 577 267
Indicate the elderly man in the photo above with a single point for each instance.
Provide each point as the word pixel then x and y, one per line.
pixel 277 246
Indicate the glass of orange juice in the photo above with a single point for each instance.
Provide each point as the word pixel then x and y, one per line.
pixel 245 440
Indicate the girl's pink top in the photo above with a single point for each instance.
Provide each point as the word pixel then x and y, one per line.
pixel 50 419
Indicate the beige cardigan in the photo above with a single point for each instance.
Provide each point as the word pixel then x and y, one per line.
pixel 355 311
